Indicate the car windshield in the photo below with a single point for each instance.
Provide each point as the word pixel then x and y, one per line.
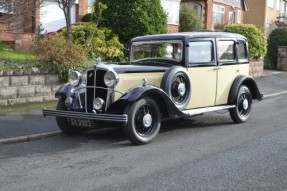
pixel 147 50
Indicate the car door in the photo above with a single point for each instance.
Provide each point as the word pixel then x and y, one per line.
pixel 202 71
pixel 232 61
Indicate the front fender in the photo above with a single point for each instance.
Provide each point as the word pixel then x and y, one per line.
pixel 247 81
pixel 162 99
pixel 66 90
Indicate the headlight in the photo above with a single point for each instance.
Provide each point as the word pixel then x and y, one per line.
pixel 75 78
pixel 111 78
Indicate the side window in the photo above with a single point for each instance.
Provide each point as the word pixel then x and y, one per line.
pixel 242 51
pixel 200 52
pixel 226 50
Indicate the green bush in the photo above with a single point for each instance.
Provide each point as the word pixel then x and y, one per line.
pixel 63 54
pixel 131 18
pixel 4 46
pixel 104 43
pixel 256 39
pixel 278 37
pixel 189 20
pixel 87 17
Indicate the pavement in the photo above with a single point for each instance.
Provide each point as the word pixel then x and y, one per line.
pixel 31 125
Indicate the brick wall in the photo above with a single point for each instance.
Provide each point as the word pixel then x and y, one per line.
pixel 19 89
pixel 172 28
pixel 19 41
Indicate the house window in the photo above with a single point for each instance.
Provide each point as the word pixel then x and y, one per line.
pixel 200 52
pixel 278 5
pixel 233 3
pixel 231 18
pixel 270 3
pixel 172 9
pixel 226 50
pixel 238 16
pixel 7 7
pixel 218 15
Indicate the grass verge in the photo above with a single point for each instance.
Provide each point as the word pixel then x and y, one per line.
pixel 26 107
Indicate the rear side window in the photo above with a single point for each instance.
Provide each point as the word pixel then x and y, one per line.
pixel 226 50
pixel 242 51
pixel 200 52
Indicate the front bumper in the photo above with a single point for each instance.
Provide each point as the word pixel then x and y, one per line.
pixel 90 116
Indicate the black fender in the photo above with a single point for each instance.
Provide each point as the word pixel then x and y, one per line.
pixel 66 90
pixel 134 94
pixel 247 81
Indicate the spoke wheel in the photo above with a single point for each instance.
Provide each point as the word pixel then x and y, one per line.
pixel 143 121
pixel 176 84
pixel 241 112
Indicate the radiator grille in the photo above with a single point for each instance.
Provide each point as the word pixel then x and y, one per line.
pixel 97 91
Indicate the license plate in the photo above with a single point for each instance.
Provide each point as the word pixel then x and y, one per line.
pixel 81 122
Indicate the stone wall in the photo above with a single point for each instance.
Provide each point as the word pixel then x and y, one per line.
pixel 256 68
pixel 19 89
pixel 282 58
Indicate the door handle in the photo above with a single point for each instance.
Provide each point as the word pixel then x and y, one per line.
pixel 217 68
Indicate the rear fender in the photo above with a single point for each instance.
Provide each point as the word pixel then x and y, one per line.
pixel 247 81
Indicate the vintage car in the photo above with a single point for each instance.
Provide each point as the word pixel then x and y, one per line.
pixel 169 76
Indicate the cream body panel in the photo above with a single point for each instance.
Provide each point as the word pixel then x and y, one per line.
pixel 226 76
pixel 129 80
pixel 203 85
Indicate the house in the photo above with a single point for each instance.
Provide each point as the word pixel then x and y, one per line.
pixel 19 19
pixel 47 12
pixel 217 13
pixel 266 14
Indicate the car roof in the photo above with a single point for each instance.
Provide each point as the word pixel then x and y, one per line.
pixel 186 35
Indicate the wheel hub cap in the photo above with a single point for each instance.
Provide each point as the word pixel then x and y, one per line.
pixel 147 120
pixel 245 104
pixel 181 89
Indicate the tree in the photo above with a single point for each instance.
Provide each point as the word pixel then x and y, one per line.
pixel 189 20
pixel 66 6
pixel 13 12
pixel 131 18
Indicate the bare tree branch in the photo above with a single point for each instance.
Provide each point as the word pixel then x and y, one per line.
pixel 66 6
pixel 14 13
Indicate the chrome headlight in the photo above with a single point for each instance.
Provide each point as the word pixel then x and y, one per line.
pixel 75 78
pixel 111 78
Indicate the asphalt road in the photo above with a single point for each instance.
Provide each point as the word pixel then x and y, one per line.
pixel 207 152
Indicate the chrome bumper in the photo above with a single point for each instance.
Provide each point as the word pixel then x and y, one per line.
pixel 90 116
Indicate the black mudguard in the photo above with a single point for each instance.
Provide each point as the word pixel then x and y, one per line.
pixel 66 90
pixel 247 81
pixel 162 99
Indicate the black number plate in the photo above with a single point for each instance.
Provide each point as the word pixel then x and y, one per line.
pixel 81 122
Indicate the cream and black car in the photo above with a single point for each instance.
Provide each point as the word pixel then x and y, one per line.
pixel 169 76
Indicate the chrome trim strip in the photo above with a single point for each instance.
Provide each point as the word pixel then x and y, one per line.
pixel 90 116
pixel 199 111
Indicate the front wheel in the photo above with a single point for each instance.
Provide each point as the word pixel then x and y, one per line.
pixel 63 123
pixel 143 121
pixel 241 112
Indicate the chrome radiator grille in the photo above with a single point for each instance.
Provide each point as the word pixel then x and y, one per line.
pixel 96 87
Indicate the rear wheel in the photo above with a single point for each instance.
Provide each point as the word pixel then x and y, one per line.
pixel 63 123
pixel 241 112
pixel 143 121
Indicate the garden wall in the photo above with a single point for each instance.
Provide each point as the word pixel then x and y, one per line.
pixel 19 88
pixel 256 68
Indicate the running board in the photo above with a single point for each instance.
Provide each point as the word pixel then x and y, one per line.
pixel 193 112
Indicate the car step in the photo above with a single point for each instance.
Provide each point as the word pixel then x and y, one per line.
pixel 193 112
